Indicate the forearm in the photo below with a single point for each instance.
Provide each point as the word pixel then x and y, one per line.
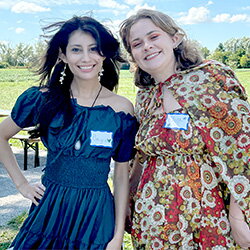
pixel 120 196
pixel 7 129
pixel 9 161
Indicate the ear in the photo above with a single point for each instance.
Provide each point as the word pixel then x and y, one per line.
pixel 177 39
pixel 62 56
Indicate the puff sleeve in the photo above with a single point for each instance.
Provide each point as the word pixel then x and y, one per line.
pixel 125 150
pixel 25 110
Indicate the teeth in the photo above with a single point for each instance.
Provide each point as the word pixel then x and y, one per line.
pixel 85 67
pixel 150 56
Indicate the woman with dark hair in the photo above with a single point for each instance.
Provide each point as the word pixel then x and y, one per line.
pixel 83 124
pixel 193 141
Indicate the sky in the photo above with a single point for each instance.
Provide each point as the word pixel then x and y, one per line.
pixel 208 22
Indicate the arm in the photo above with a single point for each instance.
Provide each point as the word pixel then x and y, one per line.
pixel 8 128
pixel 121 197
pixel 240 229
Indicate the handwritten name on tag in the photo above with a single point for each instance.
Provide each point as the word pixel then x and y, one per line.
pixel 101 139
pixel 177 121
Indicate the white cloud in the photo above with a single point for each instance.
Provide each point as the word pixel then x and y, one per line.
pixel 227 18
pixel 239 18
pixel 112 4
pixel 221 18
pixel 19 30
pixel 138 7
pixel 210 3
pixel 25 7
pixel 134 2
pixel 195 15
pixel 113 25
pixel 246 8
pixel 5 4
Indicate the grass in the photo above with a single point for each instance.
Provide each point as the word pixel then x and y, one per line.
pixel 8 232
pixel 14 81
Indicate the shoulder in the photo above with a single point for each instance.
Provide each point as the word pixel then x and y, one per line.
pixel 118 103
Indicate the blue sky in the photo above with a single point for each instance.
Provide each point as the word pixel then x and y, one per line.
pixel 208 22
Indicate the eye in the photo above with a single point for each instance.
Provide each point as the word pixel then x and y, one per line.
pixel 75 50
pixel 94 49
pixel 155 36
pixel 136 45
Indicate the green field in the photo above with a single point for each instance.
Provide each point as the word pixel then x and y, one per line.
pixel 14 81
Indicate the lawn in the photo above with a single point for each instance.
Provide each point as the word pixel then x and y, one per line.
pixel 14 81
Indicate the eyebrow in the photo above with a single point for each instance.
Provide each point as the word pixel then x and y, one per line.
pixel 149 33
pixel 78 45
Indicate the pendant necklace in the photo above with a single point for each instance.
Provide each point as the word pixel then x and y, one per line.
pixel 78 143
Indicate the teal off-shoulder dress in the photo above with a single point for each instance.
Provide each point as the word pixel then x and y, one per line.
pixel 77 209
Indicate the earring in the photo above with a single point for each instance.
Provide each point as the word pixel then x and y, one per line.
pixel 63 74
pixel 100 74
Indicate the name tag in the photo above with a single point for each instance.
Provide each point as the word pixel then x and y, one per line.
pixel 177 121
pixel 101 139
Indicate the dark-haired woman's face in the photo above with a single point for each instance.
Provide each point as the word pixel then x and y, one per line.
pixel 82 56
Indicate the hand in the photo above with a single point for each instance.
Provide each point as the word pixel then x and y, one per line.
pixel 33 192
pixel 114 244
pixel 240 232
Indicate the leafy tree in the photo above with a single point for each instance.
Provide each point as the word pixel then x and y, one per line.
pixel 205 51
pixel 245 61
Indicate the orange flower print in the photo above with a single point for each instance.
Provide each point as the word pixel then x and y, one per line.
pixel 193 171
pixel 218 110
pixel 196 188
pixel 182 141
pixel 168 229
pixel 231 125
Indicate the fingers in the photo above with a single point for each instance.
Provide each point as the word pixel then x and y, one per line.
pixel 33 192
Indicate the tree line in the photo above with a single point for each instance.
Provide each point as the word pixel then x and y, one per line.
pixel 235 53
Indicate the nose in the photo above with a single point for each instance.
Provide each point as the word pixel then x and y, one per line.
pixel 85 56
pixel 147 45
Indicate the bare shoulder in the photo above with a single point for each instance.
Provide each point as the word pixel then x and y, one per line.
pixel 119 103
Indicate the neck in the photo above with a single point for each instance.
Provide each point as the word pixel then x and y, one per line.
pixel 86 89
pixel 162 75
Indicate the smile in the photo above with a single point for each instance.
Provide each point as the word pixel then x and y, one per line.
pixel 152 55
pixel 86 67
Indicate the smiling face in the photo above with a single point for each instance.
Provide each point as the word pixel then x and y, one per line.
pixel 82 56
pixel 152 49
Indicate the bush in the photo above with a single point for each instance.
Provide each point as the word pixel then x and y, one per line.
pixel 4 65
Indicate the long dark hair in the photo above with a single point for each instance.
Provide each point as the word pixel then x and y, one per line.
pixel 58 95
pixel 187 54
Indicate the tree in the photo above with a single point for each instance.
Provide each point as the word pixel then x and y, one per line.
pixel 23 54
pixel 205 51
pixel 245 61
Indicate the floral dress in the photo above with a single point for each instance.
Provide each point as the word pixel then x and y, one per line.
pixel 179 203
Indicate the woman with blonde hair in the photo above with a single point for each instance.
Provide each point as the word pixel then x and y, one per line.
pixel 193 142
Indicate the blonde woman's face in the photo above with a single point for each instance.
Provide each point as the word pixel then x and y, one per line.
pixel 152 48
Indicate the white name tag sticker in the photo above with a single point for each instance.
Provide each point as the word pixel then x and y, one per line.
pixel 101 139
pixel 177 121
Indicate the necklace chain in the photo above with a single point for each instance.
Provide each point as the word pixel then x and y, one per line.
pixel 95 97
